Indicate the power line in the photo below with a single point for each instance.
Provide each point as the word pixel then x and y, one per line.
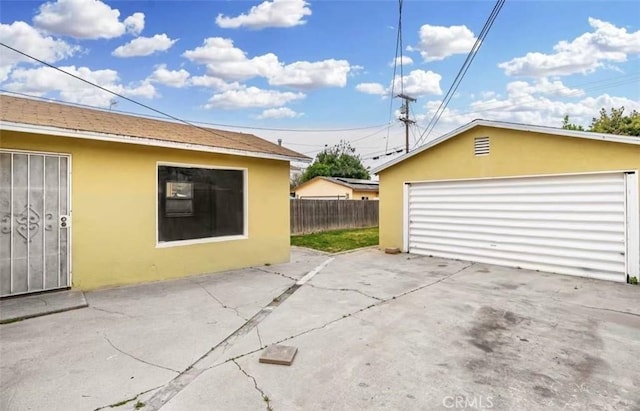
pixel 499 105
pixel 207 130
pixel 395 66
pixel 298 130
pixel 463 70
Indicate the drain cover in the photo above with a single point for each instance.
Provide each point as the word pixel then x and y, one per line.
pixel 278 354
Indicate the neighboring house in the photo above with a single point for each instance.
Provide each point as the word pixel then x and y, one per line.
pixel 337 188
pixel 92 198
pixel 525 196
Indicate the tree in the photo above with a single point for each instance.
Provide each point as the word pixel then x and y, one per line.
pixel 570 126
pixel 337 161
pixel 610 123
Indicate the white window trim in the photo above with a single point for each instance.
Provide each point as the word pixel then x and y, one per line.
pixel 245 217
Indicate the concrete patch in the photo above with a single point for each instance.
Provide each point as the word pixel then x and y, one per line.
pixel 278 354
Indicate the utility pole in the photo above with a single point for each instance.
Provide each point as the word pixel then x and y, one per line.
pixel 404 117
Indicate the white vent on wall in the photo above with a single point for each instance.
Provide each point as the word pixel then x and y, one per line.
pixel 481 146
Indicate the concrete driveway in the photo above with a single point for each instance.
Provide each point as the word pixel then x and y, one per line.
pixel 373 331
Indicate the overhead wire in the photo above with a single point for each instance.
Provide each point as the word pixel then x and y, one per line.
pixel 298 130
pixel 500 105
pixel 205 129
pixel 395 67
pixel 463 70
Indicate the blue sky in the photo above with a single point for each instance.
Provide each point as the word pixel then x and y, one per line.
pixel 325 65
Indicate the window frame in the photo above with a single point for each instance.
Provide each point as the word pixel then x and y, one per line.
pixel 245 216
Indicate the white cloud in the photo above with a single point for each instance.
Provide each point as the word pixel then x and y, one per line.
pixel 404 60
pixel 227 62
pixel 134 24
pixel 275 13
pixel 86 19
pixel 43 80
pixel 541 102
pixel 252 97
pixel 542 86
pixel 214 83
pixel 23 37
pixel 171 78
pixel 419 83
pixel 587 52
pixel 281 112
pixel 144 46
pixel 372 88
pixel 309 75
pixel 440 42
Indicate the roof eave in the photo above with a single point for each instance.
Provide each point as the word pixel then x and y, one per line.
pixel 510 126
pixel 116 138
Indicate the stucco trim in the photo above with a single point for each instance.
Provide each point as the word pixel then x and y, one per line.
pixel 510 126
pixel 90 135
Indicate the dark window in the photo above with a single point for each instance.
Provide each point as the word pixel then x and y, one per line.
pixel 199 203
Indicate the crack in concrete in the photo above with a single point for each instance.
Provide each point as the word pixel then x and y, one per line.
pixel 126 401
pixel 259 338
pixel 186 377
pixel 111 312
pixel 597 308
pixel 216 299
pixel 138 359
pixel 355 290
pixel 182 380
pixel 275 273
pixel 352 314
pixel 265 398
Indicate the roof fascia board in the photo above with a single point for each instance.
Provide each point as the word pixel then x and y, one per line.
pixel 511 126
pixel 114 138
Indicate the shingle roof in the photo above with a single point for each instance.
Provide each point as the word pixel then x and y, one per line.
pixel 353 183
pixel 39 113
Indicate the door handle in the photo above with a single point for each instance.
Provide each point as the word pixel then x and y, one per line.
pixel 65 221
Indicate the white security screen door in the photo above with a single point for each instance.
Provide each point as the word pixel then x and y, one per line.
pixel 34 222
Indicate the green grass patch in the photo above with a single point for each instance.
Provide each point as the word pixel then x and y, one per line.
pixel 339 240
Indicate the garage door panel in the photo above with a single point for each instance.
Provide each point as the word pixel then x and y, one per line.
pixel 524 215
pixel 541 253
pixel 578 227
pixel 500 239
pixel 590 207
pixel 559 263
pixel 602 187
pixel 587 237
pixel 565 224
pixel 559 198
pixel 486 259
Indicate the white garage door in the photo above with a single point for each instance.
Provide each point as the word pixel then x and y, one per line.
pixel 584 225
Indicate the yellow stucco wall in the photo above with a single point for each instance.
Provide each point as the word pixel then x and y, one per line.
pixel 357 195
pixel 114 212
pixel 323 188
pixel 513 153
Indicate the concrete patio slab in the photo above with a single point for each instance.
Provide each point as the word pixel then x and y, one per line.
pixel 374 331
pixel 129 341
pixel 21 308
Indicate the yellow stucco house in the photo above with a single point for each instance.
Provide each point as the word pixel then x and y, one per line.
pixel 517 195
pixel 92 198
pixel 337 188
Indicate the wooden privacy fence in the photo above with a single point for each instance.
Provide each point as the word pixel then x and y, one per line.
pixel 308 216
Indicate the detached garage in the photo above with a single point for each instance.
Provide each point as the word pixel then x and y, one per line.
pixel 524 196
